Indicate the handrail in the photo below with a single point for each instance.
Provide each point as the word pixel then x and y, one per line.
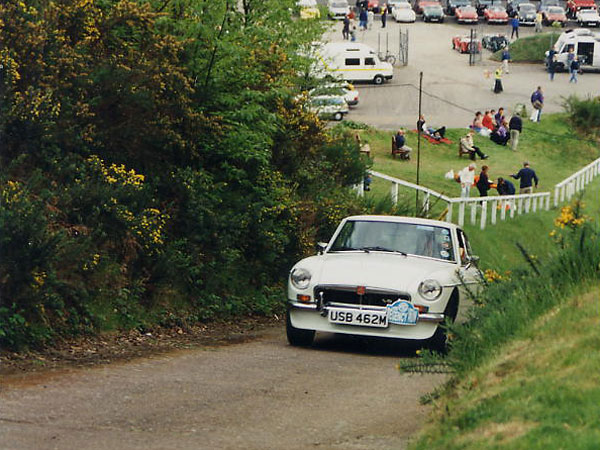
pixel 579 172
pixel 409 184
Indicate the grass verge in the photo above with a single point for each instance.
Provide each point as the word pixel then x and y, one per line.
pixel 530 49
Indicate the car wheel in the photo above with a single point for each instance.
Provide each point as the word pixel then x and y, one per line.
pixel 439 341
pixel 296 336
pixel 338 116
pixel 378 79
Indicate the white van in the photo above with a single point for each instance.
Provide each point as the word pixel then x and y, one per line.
pixel 586 45
pixel 352 61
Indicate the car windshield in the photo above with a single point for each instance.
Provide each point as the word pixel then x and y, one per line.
pixel 433 9
pixel 527 7
pixel 403 6
pixel 496 9
pixel 462 2
pixel 339 5
pixel 588 11
pixel 413 239
pixel 555 10
pixel 467 9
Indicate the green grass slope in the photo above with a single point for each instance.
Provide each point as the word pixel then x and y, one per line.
pixel 531 48
pixel 541 392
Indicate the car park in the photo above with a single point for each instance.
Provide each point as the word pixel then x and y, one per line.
pixel 382 276
pixel 452 5
pixel 433 13
pixel 466 14
pixel 495 14
pixel 338 9
pixel 526 13
pixel 554 14
pixel 403 12
pixel 464 44
pixel 328 106
pixel 588 17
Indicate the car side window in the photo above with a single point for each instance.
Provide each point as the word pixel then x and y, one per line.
pixel 463 247
pixel 369 61
pixel 353 61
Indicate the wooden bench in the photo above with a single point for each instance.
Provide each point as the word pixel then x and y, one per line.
pixel 462 150
pixel 398 151
pixel 365 149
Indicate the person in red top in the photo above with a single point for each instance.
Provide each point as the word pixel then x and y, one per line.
pixel 488 121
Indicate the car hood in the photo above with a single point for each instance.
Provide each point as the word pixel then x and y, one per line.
pixel 375 269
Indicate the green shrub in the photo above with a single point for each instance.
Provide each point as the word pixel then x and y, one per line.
pixel 584 114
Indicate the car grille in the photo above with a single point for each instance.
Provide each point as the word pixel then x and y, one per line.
pixel 328 295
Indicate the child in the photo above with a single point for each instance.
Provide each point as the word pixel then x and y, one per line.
pixel 353 33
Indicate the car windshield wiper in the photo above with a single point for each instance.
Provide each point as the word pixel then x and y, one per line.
pixel 344 249
pixel 382 249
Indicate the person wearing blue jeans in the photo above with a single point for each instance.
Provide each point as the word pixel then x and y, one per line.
pixel 574 69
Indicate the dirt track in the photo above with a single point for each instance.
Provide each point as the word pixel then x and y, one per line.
pixel 342 394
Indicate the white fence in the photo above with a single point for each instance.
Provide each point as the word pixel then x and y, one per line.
pixel 484 209
pixel 576 182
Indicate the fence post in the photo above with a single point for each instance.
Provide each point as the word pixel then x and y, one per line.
pixel 548 202
pixel 503 204
pixel 461 214
pixel 426 203
pixel 494 210
pixel 449 213
pixel 534 201
pixel 555 196
pixel 394 193
pixel 513 206
pixel 520 207
pixel 483 214
pixel 473 212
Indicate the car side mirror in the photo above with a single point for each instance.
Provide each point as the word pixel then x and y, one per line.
pixel 321 246
pixel 473 260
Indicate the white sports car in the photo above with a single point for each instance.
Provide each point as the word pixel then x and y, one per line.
pixel 403 12
pixel 384 276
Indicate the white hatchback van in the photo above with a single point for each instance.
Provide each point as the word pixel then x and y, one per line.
pixel 352 61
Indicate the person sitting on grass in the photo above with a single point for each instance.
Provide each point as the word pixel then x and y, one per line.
pixel 422 127
pixel 488 121
pixel 500 135
pixel 505 187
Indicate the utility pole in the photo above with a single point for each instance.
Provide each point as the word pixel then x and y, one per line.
pixel 419 144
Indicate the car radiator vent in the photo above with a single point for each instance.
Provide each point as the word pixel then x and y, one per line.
pixel 348 295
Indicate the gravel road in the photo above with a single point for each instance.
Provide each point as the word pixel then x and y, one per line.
pixel 343 393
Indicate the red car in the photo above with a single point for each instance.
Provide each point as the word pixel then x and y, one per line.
pixel 466 14
pixel 575 5
pixel 461 44
pixel 420 4
pixel 554 14
pixel 495 14
pixel 373 5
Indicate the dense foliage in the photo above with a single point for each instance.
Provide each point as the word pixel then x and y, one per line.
pixel 584 114
pixel 156 163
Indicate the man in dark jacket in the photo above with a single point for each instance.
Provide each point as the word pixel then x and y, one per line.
pixel 515 126
pixel 527 177
pixel 505 187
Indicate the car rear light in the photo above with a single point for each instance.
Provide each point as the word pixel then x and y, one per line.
pixel 303 298
pixel 422 308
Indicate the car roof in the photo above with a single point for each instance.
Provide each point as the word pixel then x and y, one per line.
pixel 403 219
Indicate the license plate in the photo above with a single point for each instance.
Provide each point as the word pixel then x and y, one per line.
pixel 364 318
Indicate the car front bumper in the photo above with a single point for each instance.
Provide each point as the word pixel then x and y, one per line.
pixel 306 316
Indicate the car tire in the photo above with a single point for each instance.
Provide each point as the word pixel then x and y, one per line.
pixel 296 336
pixel 338 116
pixel 378 80
pixel 439 341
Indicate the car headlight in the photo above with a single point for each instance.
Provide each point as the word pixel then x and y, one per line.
pixel 300 278
pixel 430 289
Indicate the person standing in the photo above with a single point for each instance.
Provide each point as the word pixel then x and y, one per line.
pixel 353 34
pixel 515 126
pixel 526 176
pixel 538 22
pixel 505 59
pixel 574 70
pixel 371 15
pixel 551 62
pixel 467 178
pixel 384 11
pixel 537 101
pixel 514 23
pixel 483 184
pixel 346 28
pixel 362 19
pixel 498 84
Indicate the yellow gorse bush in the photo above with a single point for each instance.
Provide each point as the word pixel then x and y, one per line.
pixel 117 174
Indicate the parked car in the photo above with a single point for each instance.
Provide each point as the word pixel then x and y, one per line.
pixel 328 106
pixel 433 13
pixel 588 17
pixel 494 42
pixel 385 276
pixel 495 14
pixel 342 89
pixel 526 14
pixel 309 9
pixel 373 5
pixel 574 6
pixel 545 4
pixel 403 12
pixel 466 14
pixel 420 4
pixel 452 5
pixel 482 5
pixel 554 14
pixel 586 45
pixel 338 9
pixel 464 44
